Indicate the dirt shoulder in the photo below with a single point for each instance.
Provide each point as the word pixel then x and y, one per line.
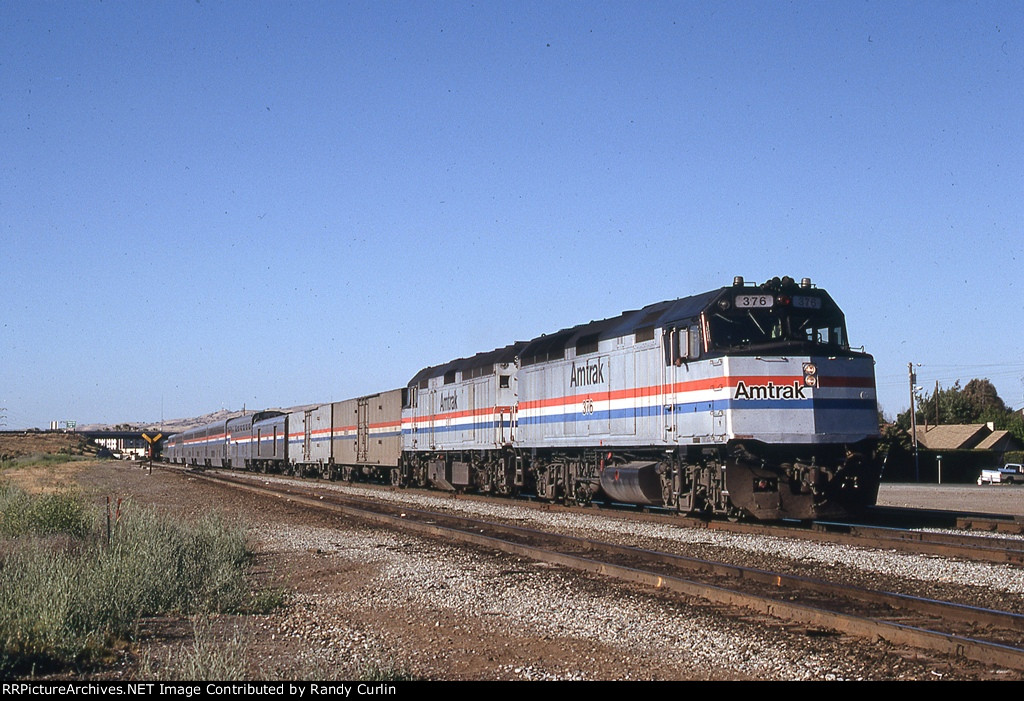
pixel 363 602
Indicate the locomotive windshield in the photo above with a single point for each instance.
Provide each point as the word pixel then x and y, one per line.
pixel 759 321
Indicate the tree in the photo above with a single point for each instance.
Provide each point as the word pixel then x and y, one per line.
pixel 895 439
pixel 947 406
pixel 976 402
pixel 1013 421
pixel 982 395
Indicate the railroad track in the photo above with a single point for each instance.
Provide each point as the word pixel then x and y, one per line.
pixel 963 632
pixel 964 546
pixel 973 548
pixel 947 543
pixel 1012 526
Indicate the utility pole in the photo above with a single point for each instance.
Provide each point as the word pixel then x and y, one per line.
pixel 913 421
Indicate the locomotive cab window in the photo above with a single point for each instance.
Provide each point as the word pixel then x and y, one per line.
pixel 780 325
pixel 825 335
pixel 682 345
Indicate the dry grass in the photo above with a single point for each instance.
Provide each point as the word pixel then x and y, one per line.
pixel 43 462
pixel 15 444
pixel 45 476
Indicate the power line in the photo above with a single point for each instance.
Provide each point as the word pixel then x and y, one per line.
pixel 978 365
pixel 964 373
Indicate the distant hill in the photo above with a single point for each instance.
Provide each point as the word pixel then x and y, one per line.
pixel 16 444
pixel 170 426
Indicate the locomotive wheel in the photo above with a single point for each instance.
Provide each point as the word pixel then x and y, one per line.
pixel 583 496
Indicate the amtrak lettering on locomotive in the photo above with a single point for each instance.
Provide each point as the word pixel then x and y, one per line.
pixel 742 400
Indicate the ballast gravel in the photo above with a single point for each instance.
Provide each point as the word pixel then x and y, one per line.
pixel 598 629
pixel 873 567
pixel 652 638
pixel 362 602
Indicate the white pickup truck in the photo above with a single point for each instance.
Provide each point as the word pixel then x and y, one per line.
pixel 1007 474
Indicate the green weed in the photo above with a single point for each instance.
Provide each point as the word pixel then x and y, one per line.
pixel 60 512
pixel 67 600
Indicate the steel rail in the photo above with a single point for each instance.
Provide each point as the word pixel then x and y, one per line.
pixel 1013 526
pixel 966 547
pixel 874 628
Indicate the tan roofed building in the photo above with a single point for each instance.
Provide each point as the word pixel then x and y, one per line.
pixel 967 437
pixel 952 436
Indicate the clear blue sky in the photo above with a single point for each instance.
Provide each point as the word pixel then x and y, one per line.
pixel 208 204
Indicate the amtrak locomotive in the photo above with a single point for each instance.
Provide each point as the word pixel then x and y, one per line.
pixel 743 401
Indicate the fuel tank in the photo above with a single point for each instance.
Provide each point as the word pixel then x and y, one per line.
pixel 633 483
